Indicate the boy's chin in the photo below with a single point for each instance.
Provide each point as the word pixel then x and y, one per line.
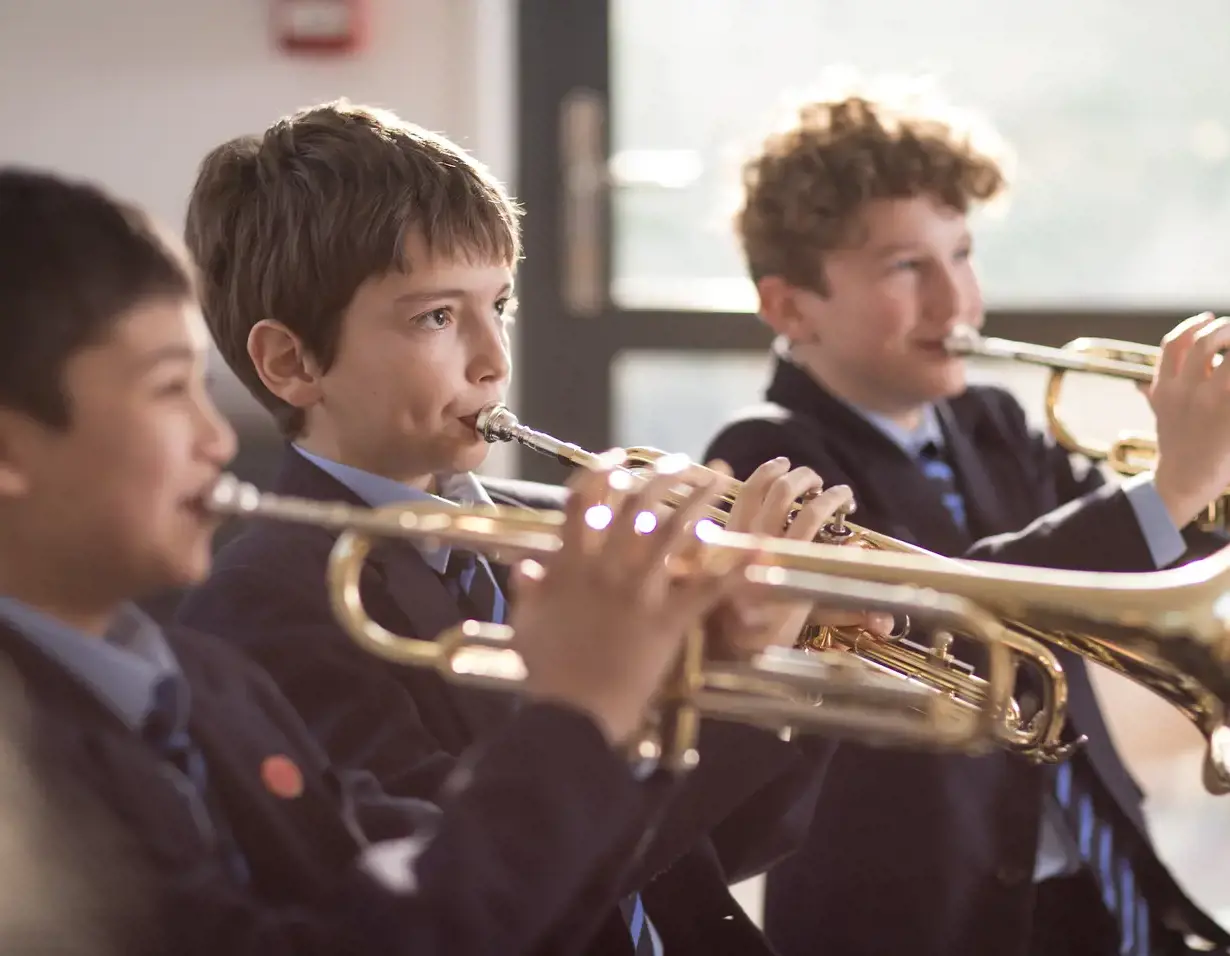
pixel 948 382
pixel 471 456
pixel 187 567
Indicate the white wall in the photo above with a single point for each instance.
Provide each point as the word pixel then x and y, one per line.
pixel 133 93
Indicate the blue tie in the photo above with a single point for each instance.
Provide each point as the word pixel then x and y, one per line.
pixel 1110 864
pixel 939 472
pixel 470 580
pixel 166 730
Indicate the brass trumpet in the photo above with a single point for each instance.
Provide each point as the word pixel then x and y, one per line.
pixel 1169 631
pixel 1037 737
pixel 1111 357
pixel 783 691
pixel 1131 452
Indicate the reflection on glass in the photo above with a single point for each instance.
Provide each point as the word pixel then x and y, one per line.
pixel 1120 119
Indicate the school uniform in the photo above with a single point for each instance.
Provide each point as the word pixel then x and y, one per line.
pixel 743 808
pixel 931 854
pixel 215 824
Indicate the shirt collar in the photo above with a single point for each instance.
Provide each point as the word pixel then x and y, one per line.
pixel 378 491
pixel 121 669
pixel 910 440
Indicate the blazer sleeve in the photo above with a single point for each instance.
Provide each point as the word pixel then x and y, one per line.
pixel 490 871
pixel 1094 527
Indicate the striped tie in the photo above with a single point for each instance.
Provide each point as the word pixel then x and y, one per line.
pixel 1109 862
pixel 644 939
pixel 936 468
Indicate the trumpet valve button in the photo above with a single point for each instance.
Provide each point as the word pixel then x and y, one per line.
pixel 941 645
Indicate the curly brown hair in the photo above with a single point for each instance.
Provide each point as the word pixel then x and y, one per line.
pixel 287 225
pixel 807 183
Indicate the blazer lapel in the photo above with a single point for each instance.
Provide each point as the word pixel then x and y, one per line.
pixel 985 514
pixel 890 496
pixel 291 832
pixel 407 581
pixel 80 736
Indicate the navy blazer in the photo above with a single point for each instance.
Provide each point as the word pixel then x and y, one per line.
pixel 934 854
pixel 485 884
pixel 746 806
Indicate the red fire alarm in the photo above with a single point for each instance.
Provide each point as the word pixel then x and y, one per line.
pixel 320 26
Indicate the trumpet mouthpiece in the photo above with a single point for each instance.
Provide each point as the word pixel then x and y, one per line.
pixel 495 422
pixel 962 340
pixel 229 495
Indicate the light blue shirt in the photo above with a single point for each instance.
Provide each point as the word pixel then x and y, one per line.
pixel 378 491
pixel 121 670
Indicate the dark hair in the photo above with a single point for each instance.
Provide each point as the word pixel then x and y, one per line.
pixel 807 183
pixel 73 262
pixel 289 224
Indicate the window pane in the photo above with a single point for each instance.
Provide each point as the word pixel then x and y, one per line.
pixel 1118 112
pixel 676 401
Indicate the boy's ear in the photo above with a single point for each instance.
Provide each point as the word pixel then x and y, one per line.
pixel 283 364
pixel 781 309
pixel 14 479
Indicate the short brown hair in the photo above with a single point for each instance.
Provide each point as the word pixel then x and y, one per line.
pixel 74 260
pixel 805 185
pixel 288 225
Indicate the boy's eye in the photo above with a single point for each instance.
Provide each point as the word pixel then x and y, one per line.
pixel 179 386
pixel 435 319
pixel 507 309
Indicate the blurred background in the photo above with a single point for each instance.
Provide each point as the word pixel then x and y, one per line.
pixel 620 124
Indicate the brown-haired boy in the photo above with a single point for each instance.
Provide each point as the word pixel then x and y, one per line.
pixel 854 229
pixel 358 276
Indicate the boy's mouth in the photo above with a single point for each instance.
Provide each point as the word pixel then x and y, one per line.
pixel 198 504
pixel 470 423
pixel 937 347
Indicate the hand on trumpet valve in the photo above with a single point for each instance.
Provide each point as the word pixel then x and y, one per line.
pixel 744 625
pixel 600 622
pixel 1190 396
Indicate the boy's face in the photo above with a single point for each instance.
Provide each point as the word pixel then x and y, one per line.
pixel 899 287
pixel 112 504
pixel 420 353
